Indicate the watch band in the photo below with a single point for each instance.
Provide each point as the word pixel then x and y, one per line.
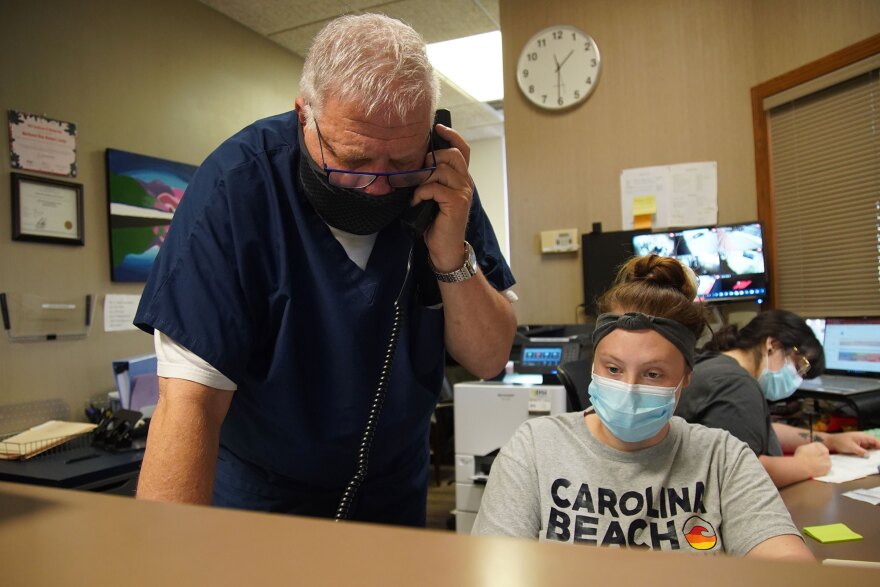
pixel 463 273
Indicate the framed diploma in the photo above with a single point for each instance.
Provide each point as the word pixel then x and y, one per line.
pixel 47 210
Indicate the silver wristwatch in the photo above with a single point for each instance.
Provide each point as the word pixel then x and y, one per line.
pixel 463 273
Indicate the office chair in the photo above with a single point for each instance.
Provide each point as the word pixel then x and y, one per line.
pixel 575 376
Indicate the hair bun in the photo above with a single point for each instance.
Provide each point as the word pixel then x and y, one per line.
pixel 665 272
pixel 656 286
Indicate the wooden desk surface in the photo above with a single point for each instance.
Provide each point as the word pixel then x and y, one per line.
pixel 813 503
pixel 57 536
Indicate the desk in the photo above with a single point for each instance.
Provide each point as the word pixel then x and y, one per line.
pixel 814 503
pixel 79 468
pixel 57 537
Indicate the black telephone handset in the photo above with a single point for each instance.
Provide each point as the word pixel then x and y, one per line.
pixel 416 219
pixel 419 217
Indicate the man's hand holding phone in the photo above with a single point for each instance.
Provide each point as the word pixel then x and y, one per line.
pixel 451 187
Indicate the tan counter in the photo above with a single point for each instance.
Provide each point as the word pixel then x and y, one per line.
pixel 65 537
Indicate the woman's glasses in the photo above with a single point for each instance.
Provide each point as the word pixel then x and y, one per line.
pixel 801 363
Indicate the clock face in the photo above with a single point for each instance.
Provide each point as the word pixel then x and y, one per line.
pixel 558 67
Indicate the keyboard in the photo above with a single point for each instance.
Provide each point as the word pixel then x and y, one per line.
pixel 842 384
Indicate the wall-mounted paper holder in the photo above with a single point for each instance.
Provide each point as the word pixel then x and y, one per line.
pixel 31 318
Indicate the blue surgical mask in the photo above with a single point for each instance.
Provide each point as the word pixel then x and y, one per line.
pixel 631 412
pixel 778 385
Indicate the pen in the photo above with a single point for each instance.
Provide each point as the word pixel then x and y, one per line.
pixel 82 458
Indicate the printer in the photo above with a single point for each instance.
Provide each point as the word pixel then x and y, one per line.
pixel 487 413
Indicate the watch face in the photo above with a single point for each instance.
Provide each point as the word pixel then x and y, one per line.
pixel 558 67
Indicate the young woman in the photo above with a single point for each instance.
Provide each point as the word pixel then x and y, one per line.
pixel 745 368
pixel 629 473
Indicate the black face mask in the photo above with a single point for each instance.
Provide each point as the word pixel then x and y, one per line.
pixel 347 209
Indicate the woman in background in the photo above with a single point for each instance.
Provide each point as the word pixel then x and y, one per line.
pixel 743 369
pixel 629 473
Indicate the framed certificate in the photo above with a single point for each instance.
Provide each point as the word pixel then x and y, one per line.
pixel 47 210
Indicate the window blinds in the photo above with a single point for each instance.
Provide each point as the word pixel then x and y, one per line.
pixel 825 169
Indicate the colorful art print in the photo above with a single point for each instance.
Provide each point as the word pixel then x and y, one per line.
pixel 38 143
pixel 143 193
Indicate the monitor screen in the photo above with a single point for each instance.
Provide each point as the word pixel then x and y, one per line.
pixel 544 356
pixel 728 260
pixel 852 345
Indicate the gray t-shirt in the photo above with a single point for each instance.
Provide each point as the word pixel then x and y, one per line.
pixel 698 490
pixel 724 395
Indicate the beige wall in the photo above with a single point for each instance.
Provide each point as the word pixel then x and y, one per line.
pixel 487 169
pixel 674 87
pixel 165 78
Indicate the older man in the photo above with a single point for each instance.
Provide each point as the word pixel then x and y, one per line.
pixel 300 362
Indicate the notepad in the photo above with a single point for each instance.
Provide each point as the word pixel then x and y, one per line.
pixel 850 467
pixel 41 438
pixel 831 533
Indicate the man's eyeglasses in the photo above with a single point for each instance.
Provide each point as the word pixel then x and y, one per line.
pixel 801 363
pixel 346 178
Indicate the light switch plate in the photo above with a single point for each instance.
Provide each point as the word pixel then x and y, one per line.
pixel 564 240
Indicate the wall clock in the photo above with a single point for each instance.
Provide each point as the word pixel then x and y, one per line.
pixel 558 67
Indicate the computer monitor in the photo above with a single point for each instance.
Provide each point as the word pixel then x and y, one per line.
pixel 602 254
pixel 728 260
pixel 852 345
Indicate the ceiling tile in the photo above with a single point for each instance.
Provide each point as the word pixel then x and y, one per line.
pixel 441 21
pixel 299 39
pixel 272 16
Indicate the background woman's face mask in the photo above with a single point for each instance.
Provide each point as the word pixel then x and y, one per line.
pixel 631 412
pixel 778 385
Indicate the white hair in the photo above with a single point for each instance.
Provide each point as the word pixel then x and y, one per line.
pixel 371 60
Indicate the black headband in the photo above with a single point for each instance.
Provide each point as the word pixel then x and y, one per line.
pixel 673 331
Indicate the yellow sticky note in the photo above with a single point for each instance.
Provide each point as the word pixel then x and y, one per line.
pixel 831 533
pixel 643 205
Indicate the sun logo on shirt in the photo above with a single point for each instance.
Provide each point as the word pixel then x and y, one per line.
pixel 699 533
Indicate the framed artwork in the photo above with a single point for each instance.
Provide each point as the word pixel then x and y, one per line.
pixel 47 210
pixel 143 193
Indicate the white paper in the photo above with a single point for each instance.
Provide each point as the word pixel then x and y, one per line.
pixel 48 210
pixel 850 467
pixel 872 496
pixel 640 182
pixel 119 310
pixel 693 196
pixel 686 194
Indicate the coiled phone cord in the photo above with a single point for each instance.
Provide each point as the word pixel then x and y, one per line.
pixel 343 510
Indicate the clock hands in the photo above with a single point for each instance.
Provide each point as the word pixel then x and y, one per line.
pixel 558 78
pixel 559 65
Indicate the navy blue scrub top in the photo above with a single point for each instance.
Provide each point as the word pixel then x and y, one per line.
pixel 251 280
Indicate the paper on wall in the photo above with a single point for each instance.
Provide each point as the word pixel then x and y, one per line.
pixel 694 194
pixel 664 196
pixel 638 188
pixel 119 310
